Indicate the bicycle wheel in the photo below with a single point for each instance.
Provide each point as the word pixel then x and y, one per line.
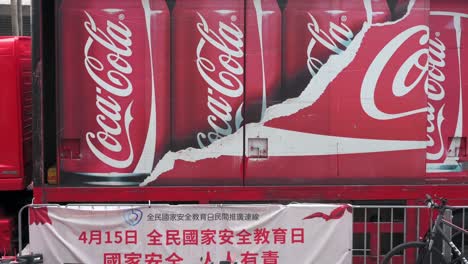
pixel 419 254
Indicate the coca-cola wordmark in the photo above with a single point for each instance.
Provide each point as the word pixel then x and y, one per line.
pixel 118 41
pixel 444 89
pixel 399 85
pixel 323 137
pixel 338 38
pixel 230 43
pixel 435 92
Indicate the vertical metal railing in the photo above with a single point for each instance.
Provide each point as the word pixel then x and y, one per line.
pixel 365 235
pixel 405 236
pixel 418 226
pixel 380 228
pixel 391 227
pixel 446 249
pixel 464 227
pixel 378 233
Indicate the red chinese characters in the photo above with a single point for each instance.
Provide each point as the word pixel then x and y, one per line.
pixel 179 241
pixel 98 237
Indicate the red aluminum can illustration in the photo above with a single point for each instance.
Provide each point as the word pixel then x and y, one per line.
pixel 226 72
pixel 113 89
pixel 315 30
pixel 447 89
pixel 208 71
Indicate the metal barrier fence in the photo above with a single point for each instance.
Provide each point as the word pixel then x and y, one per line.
pixel 376 230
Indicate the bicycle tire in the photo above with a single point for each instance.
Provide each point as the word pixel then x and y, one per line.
pixel 423 256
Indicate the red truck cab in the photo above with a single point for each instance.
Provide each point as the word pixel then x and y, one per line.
pixel 15 113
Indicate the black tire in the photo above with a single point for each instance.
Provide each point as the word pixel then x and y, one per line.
pixel 421 249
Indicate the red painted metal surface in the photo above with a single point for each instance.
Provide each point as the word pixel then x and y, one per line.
pixel 7 226
pixel 14 184
pixel 336 133
pixel 248 194
pixel 15 111
pixel 375 167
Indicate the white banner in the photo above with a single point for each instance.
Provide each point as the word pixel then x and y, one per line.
pixel 193 234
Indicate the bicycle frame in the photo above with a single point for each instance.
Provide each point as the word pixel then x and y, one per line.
pixel 437 229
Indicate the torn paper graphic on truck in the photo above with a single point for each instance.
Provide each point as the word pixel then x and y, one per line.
pixel 253 92
pixel 351 112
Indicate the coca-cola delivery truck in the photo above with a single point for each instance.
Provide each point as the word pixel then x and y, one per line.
pixel 235 101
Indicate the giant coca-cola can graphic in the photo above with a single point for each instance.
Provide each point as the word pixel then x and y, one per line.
pixel 447 91
pixel 361 119
pixel 113 89
pixel 314 30
pixel 226 72
pixel 208 71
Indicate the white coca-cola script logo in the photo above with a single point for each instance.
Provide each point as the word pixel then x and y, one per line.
pixel 401 86
pixel 336 40
pixel 229 42
pixel 110 84
pixel 435 92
